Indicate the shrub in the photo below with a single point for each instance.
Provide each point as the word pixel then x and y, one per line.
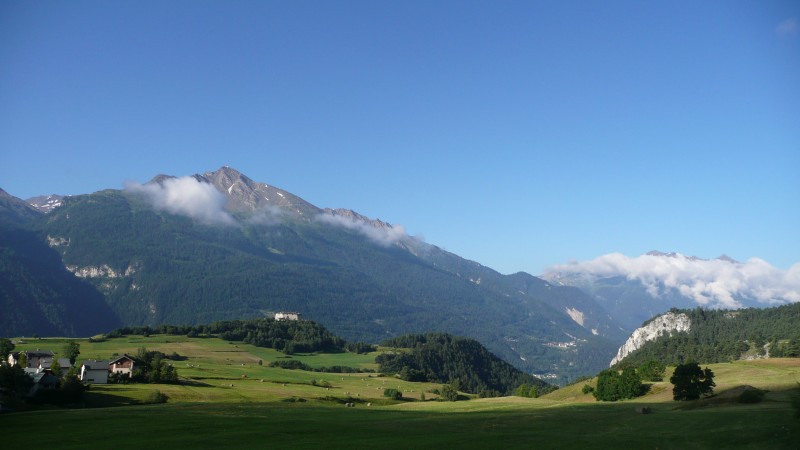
pixel 393 394
pixel 587 389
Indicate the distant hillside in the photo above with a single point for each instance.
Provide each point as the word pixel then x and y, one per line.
pixel 443 358
pixel 220 246
pixel 38 296
pixel 721 336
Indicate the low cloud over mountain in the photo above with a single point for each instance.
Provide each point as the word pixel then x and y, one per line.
pixel 717 283
pixel 186 196
pixel 378 232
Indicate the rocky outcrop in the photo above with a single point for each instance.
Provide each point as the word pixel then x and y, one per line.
pixel 665 324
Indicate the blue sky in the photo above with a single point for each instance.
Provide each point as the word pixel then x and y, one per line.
pixel 517 134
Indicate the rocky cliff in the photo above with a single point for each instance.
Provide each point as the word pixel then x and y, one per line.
pixel 667 323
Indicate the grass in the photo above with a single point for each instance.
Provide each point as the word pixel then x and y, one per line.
pixel 207 412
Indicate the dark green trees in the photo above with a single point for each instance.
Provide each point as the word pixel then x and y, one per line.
pixel 690 381
pixel 613 386
pixel 6 347
pixel 71 350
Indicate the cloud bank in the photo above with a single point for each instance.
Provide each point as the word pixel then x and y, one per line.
pixel 714 283
pixel 382 234
pixel 186 196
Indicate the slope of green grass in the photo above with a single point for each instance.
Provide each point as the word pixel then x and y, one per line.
pixel 216 407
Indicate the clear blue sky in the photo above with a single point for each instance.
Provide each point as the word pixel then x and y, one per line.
pixel 517 134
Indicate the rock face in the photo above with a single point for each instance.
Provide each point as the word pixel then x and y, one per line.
pixel 667 323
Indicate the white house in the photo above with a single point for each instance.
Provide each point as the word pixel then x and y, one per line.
pixel 94 371
pixel 121 365
pixel 287 316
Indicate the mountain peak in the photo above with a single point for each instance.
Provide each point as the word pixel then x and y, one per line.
pixel 246 195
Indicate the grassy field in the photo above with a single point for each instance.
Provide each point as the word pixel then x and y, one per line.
pixel 217 407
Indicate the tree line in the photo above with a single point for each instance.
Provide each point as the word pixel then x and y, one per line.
pixel 447 359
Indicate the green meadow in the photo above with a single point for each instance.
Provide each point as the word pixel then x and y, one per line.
pixel 226 399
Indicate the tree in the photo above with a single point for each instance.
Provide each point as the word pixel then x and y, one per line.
pixel 6 347
pixel 55 367
pixel 22 361
pixel 71 350
pixel 611 386
pixel 652 370
pixel 14 381
pixel 449 393
pixel 690 382
pixel 393 394
pixel 630 383
pixel 607 386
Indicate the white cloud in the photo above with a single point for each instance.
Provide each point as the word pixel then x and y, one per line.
pixel 711 283
pixel 787 27
pixel 267 215
pixel 186 196
pixel 385 235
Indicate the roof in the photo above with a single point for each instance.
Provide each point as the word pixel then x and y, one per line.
pixel 94 364
pixel 119 358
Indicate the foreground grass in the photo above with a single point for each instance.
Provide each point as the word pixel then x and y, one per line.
pixel 228 400
pixel 282 425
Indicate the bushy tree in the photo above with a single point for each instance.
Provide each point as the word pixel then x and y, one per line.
pixel 449 393
pixel 690 381
pixel 613 386
pixel 393 394
pixel 652 370
pixel 14 381
pixel 526 391
pixel 55 368
pixel 71 350
pixel 6 347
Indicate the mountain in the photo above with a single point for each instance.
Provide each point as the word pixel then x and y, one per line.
pixel 46 203
pixel 713 336
pixel 636 289
pixel 38 296
pixel 219 246
pixel 15 212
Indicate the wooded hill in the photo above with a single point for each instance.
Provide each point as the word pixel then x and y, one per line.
pixel 443 358
pixel 723 335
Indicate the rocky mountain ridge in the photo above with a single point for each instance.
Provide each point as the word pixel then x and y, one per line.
pixel 665 324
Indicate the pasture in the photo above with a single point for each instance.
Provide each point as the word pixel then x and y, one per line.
pixel 227 400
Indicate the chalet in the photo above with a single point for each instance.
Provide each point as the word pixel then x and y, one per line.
pixel 287 316
pixel 122 365
pixel 94 371
pixel 34 357
pixel 46 363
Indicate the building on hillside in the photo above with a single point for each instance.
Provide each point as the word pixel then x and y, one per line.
pixel 287 316
pixel 122 365
pixel 94 371
pixel 34 357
